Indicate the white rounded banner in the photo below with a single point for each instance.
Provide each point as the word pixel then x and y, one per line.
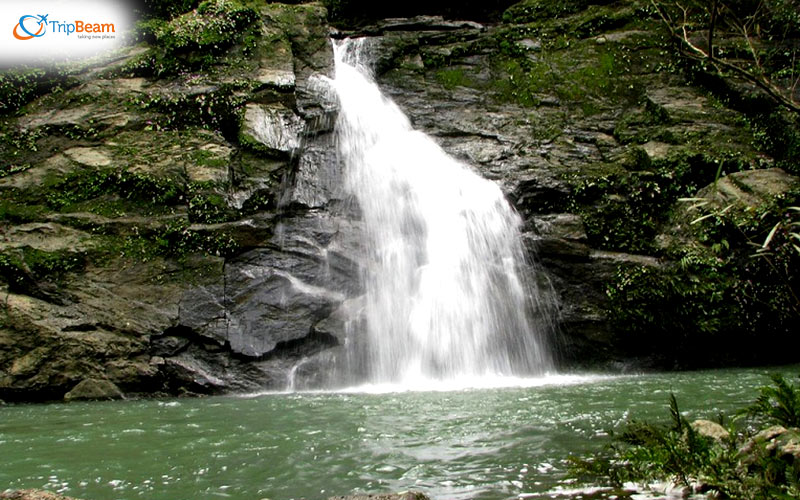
pixel 35 32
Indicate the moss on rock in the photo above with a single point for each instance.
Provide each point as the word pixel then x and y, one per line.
pixel 91 389
pixel 192 41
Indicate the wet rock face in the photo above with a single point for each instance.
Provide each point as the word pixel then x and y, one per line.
pixel 275 129
pixel 186 238
pixel 278 296
pixel 570 114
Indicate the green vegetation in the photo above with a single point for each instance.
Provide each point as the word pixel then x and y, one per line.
pixel 598 77
pixel 25 262
pixel 166 9
pixel 88 185
pixel 15 145
pixel 778 134
pixel 719 291
pixel 752 42
pixel 746 461
pixel 106 192
pixel 349 13
pixel 11 210
pixel 192 41
pixel 747 54
pixel 535 10
pixel 208 159
pixel 13 169
pixel 113 193
pixel 20 85
pixel 174 240
pixel 624 210
pixel 777 404
pixel 219 110
pixel 451 78
pixel 523 77
pixel 214 25
pixel 679 311
pixel 39 273
pixel 209 208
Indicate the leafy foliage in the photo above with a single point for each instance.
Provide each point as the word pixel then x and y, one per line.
pixel 20 85
pixel 787 229
pixel 722 285
pixel 219 110
pixel 175 239
pixel 209 208
pixel 668 309
pixel 353 12
pixel 524 78
pixel 35 272
pixel 166 9
pixel 752 41
pixel 192 41
pixel 86 185
pixel 533 10
pixel 777 404
pixel 747 465
pixel 214 25
pixel 17 87
pixel 624 211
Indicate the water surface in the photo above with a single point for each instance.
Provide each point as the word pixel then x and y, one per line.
pixel 481 443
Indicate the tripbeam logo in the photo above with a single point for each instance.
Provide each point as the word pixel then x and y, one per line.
pixel 46 32
pixel 28 33
pixel 28 26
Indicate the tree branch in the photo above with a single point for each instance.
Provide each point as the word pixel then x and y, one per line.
pixel 711 25
pixel 761 80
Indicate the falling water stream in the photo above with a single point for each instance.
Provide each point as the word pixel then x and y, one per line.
pixel 447 295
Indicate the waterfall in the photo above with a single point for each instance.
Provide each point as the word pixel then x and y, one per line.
pixel 445 290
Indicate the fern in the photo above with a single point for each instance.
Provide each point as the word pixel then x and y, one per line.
pixel 777 404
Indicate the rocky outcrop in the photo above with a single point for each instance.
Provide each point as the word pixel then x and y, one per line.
pixel 776 449
pixel 33 495
pixel 172 219
pixel 176 232
pixel 588 139
pixel 91 389
pixel 711 430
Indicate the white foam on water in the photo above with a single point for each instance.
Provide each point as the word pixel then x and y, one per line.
pixel 461 385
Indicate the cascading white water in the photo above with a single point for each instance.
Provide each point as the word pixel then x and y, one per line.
pixel 445 298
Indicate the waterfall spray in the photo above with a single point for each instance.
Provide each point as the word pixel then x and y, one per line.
pixel 444 267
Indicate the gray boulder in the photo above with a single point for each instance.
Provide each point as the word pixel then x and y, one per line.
pixel 404 495
pixel 93 389
pixel 33 495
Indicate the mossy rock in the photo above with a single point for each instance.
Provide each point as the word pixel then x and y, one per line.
pixel 33 495
pixel 214 25
pixel 306 27
pixel 92 389
pixel 749 190
pixel 535 10
pixel 194 40
pixel 37 273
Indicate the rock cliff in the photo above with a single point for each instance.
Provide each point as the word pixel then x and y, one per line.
pixel 172 219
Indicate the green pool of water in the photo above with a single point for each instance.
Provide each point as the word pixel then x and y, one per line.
pixel 484 444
